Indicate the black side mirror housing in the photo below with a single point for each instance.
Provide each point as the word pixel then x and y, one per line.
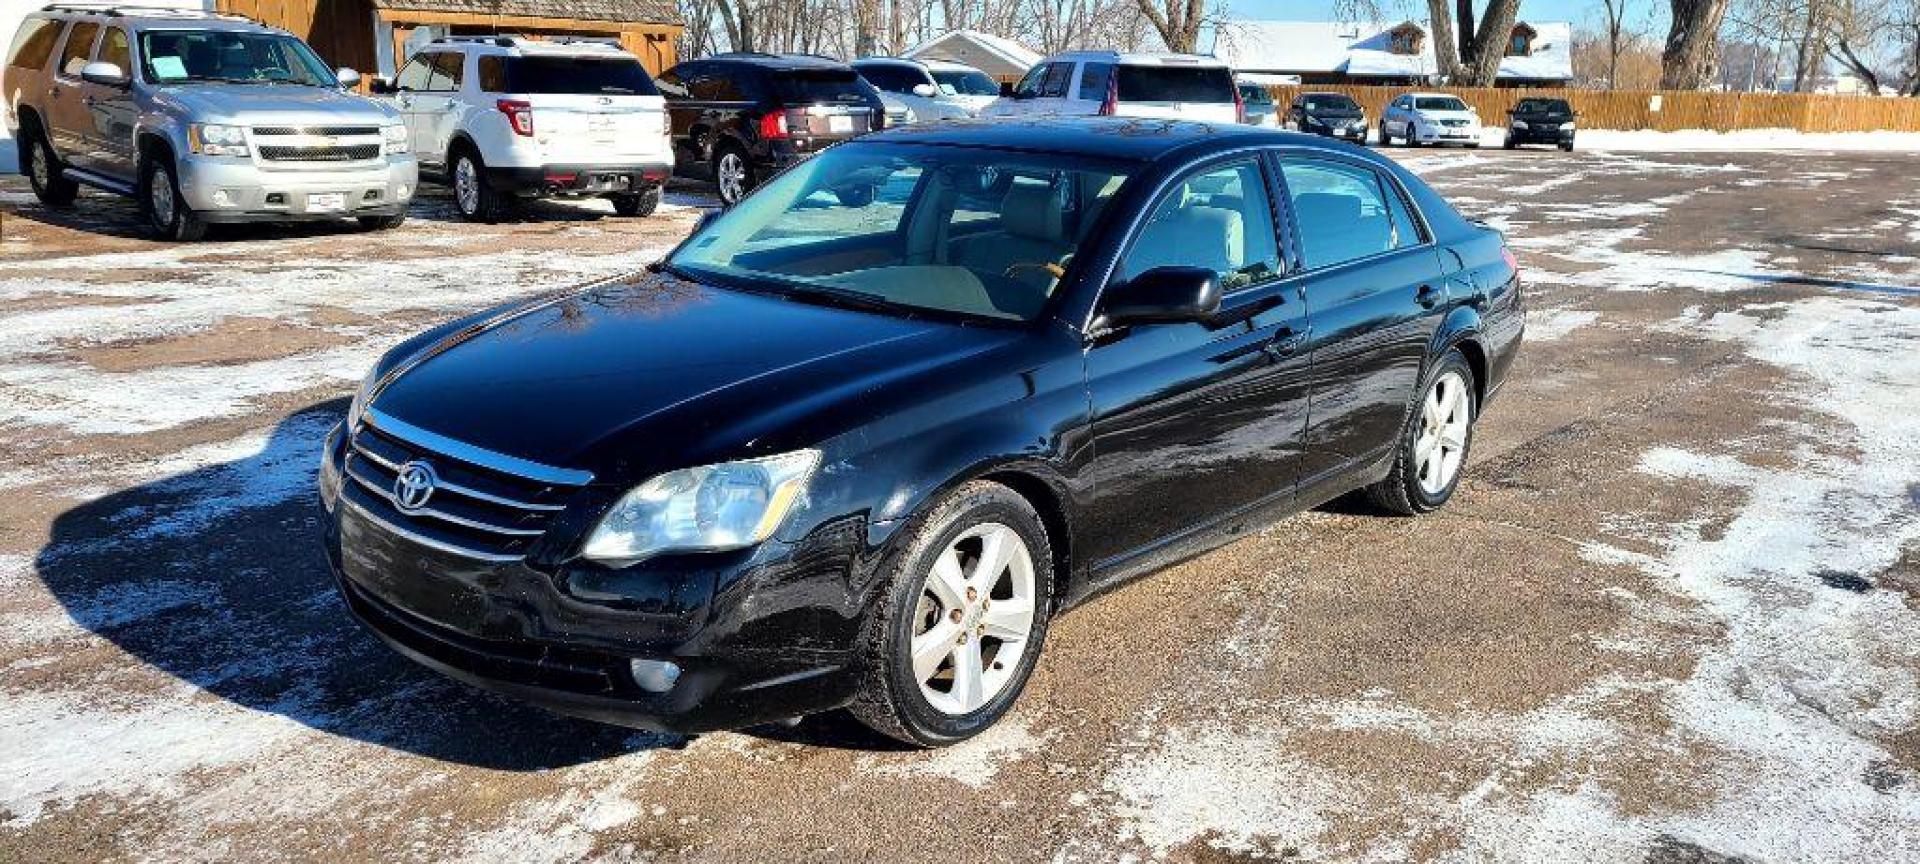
pixel 381 85
pixel 1163 295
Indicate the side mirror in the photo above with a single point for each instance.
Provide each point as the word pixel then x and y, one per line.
pixel 348 78
pixel 1006 88
pixel 381 85
pixel 104 74
pixel 925 91
pixel 1163 295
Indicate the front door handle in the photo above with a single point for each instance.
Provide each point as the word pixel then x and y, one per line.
pixel 1428 297
pixel 1286 341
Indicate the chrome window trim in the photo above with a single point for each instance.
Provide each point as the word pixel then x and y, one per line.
pixel 435 442
pixel 423 540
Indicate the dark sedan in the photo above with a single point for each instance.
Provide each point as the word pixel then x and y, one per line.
pixel 1334 115
pixel 1541 121
pixel 856 449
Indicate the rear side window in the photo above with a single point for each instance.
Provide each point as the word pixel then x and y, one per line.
pixel 819 85
pixel 1094 78
pixel 73 56
pixel 33 45
pixel 718 88
pixel 604 76
pixel 1055 84
pixel 1343 213
pixel 1175 84
pixel 492 69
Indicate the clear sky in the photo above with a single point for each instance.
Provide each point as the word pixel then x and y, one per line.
pixel 1650 15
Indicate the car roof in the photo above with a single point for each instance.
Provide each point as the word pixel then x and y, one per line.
pixel 776 61
pixel 1140 58
pixel 1126 138
pixel 145 18
pixel 1433 96
pixel 888 61
pixel 528 47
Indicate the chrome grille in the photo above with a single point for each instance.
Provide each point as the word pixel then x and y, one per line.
pixel 475 510
pixel 316 130
pixel 281 153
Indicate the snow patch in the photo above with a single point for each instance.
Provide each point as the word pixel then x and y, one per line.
pixel 1548 325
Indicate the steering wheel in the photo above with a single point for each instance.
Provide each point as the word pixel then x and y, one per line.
pixel 1052 269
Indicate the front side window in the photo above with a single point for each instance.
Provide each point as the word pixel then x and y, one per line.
pixel 1029 85
pixel 1055 84
pixel 73 56
pixel 414 77
pixel 114 49
pixel 948 231
pixel 1220 219
pixel 447 69
pixel 1342 213
pixel 175 56
pixel 1094 79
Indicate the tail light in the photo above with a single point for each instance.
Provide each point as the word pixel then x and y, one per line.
pixel 519 113
pixel 773 125
pixel 1111 105
pixel 1239 106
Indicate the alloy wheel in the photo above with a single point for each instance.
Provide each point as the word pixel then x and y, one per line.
pixel 1445 416
pixel 160 196
pixel 974 619
pixel 731 175
pixel 42 157
pixel 466 186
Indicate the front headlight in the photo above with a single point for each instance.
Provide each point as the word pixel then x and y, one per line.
pixel 712 508
pixel 1566 127
pixel 214 139
pixel 393 140
pixel 1519 124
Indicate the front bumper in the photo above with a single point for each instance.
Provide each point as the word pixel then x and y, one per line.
pixel 563 180
pixel 1546 135
pixel 222 189
pixel 758 635
pixel 1344 132
pixel 1447 134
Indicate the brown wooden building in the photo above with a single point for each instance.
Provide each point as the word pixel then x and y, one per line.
pixel 377 36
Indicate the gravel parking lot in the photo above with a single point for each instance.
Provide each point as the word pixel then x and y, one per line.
pixel 1672 616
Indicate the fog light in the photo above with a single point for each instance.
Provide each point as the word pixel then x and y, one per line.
pixel 221 198
pixel 655 676
pixel 372 195
pixel 277 198
pixel 401 191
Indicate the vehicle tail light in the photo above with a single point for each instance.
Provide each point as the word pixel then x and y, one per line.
pixel 1111 105
pixel 773 125
pixel 1239 106
pixel 519 113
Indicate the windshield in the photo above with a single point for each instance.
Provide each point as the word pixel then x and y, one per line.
pixel 965 83
pixel 1175 84
pixel 1439 103
pixel 1543 106
pixel 171 56
pixel 823 85
pixel 1333 102
pixel 943 230
pixel 617 76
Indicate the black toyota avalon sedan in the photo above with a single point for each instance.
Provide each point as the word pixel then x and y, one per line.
pixel 860 438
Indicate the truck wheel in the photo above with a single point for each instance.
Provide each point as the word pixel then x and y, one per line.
pixel 383 223
pixel 43 169
pixel 637 203
pixel 160 200
pixel 476 199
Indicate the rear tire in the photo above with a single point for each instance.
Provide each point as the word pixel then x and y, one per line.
pixel 167 211
pixel 43 169
pixel 473 196
pixel 1566 148
pixel 1385 139
pixel 939 600
pixel 637 203
pixel 1431 454
pixel 383 223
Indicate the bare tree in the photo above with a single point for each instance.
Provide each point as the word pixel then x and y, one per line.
pixel 1177 21
pixel 1617 36
pixel 1481 46
pixel 1692 56
pixel 1446 54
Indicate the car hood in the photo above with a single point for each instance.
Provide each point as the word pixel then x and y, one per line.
pixel 651 372
pixel 1437 116
pixel 275 103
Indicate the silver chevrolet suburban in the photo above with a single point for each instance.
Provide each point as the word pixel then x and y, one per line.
pixel 202 117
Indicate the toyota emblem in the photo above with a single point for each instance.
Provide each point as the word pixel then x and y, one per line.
pixel 413 485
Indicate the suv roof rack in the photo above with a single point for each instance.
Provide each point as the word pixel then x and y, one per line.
pixel 521 42
pixel 502 41
pixel 120 10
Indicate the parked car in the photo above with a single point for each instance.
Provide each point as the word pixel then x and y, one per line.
pixel 1167 86
pixel 834 454
pixel 1257 104
pixel 1334 115
pixel 1541 121
pixel 202 118
pixel 964 85
pixel 1430 118
pixel 911 85
pixel 502 120
pixel 738 118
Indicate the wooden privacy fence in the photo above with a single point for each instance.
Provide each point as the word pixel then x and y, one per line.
pixel 1668 110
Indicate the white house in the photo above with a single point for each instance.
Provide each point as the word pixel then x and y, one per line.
pixel 995 55
pixel 1539 53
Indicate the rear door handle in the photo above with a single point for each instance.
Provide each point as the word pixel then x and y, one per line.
pixel 1428 297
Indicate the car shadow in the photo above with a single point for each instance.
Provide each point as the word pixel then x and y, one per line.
pixel 109 215
pixel 216 576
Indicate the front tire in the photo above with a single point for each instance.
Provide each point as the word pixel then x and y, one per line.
pixel 43 169
pixel 1433 445
pixel 959 621
pixel 383 223
pixel 166 209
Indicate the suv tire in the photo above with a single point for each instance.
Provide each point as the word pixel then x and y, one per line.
pixel 161 202
pixel 637 203
pixel 733 173
pixel 383 223
pixel 1440 420
pixel 893 698
pixel 43 169
pixel 473 196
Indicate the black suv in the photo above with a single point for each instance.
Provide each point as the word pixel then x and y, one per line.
pixel 738 118
pixel 1541 121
